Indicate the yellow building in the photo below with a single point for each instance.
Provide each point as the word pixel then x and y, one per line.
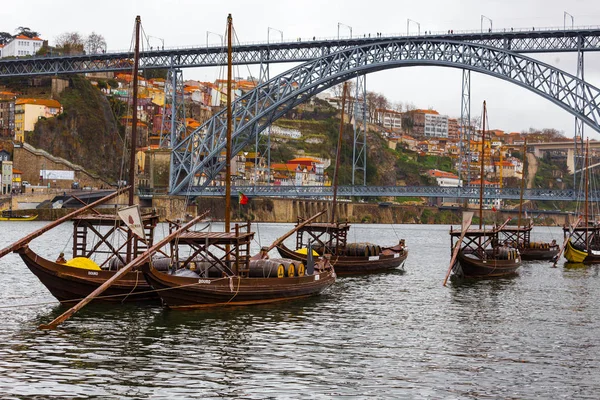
pixel 29 111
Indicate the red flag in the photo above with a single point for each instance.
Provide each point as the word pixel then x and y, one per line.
pixel 243 198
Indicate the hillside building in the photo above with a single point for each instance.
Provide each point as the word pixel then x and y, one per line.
pixel 29 111
pixel 21 46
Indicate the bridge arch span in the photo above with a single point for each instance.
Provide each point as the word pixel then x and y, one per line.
pixel 256 110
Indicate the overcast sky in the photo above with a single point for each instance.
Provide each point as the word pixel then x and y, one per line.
pixel 186 22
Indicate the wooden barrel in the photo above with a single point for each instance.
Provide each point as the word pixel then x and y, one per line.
pixel 266 269
pixel 289 266
pixel 358 250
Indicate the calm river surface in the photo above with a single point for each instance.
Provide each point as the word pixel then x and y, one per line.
pixel 394 335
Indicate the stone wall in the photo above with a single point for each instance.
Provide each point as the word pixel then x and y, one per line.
pixel 31 161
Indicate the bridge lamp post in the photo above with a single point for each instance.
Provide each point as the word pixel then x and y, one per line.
pixel 162 41
pixel 565 20
pixel 490 21
pixel 269 29
pixel 347 26
pixel 213 33
pixel 408 21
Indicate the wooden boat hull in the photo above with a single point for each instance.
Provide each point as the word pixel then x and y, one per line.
pixel 15 218
pixel 70 284
pixel 191 293
pixel 539 254
pixel 348 265
pixel 575 255
pixel 473 267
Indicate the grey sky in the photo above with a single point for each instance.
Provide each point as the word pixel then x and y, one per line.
pixel 181 23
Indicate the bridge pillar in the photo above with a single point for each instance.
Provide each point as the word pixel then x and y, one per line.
pixel 577 155
pixel 262 142
pixel 465 129
pixel 359 151
pixel 571 161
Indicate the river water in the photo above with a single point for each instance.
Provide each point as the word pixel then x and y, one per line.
pixel 393 335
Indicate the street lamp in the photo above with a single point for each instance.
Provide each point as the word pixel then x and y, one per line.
pixel 482 18
pixel 161 40
pixel 565 20
pixel 347 26
pixel 408 21
pixel 213 33
pixel 269 29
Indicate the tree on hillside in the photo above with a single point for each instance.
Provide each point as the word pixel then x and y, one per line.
pixel 544 135
pixel 22 30
pixel 5 37
pixel 95 44
pixel 70 43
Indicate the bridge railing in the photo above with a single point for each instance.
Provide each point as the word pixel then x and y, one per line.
pixel 344 38
pixel 326 192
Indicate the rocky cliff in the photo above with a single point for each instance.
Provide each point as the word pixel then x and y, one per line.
pixel 86 133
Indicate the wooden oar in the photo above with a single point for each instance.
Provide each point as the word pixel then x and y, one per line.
pixel 21 242
pixel 573 226
pixel 466 223
pixel 63 317
pixel 282 238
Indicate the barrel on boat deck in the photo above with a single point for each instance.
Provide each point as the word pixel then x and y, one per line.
pixel 266 269
pixel 358 250
pixel 375 249
pixel 289 265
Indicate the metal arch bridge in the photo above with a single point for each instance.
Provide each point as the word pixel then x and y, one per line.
pixel 396 191
pixel 544 41
pixel 253 112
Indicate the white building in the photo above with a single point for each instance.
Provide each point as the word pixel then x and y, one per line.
pixel 389 119
pixel 436 125
pixel 21 46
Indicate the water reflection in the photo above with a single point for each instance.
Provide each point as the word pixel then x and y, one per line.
pixel 391 335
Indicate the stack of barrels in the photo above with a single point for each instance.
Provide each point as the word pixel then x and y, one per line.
pixel 539 245
pixel 276 267
pixel 362 250
pixel 507 253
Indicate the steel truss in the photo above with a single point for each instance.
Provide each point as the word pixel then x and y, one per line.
pixel 519 42
pixel 269 101
pixel 359 151
pixel 174 122
pixel 394 191
pixel 465 129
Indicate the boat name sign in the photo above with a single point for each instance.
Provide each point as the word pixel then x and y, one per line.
pixel 207 281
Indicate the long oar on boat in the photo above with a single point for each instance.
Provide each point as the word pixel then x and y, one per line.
pixel 562 248
pixel 137 261
pixel 291 232
pixel 23 241
pixel 466 222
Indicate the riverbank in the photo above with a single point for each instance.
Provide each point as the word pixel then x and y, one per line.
pixel 285 210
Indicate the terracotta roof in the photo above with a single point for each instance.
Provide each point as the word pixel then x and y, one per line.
pixel 441 174
pixel 39 102
pixel 304 159
pixel 426 111
pixel 28 38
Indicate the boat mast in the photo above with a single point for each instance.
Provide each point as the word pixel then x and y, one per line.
pixel 522 188
pixel 587 149
pixel 134 120
pixel 481 173
pixel 229 129
pixel 337 155
pixel 136 61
